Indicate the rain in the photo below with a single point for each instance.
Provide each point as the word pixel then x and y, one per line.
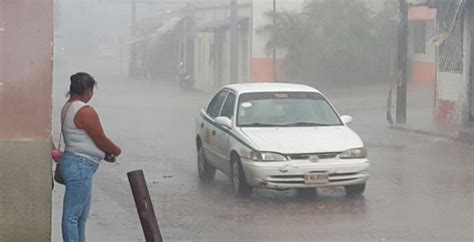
pixel 397 76
pixel 421 173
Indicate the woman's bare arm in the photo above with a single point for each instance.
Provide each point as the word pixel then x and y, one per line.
pixel 88 120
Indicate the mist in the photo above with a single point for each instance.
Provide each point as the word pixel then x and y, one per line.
pixel 159 63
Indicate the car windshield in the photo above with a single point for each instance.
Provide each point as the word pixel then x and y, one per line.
pixel 280 109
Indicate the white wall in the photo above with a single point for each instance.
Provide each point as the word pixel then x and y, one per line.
pixel 454 86
pixel 449 86
pixel 206 71
pixel 202 71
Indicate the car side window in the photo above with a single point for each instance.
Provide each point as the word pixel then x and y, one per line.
pixel 215 105
pixel 228 109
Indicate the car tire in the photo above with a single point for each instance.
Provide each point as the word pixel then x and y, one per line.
pixel 239 183
pixel 355 190
pixel 207 173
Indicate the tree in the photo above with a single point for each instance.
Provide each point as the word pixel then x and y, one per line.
pixel 333 41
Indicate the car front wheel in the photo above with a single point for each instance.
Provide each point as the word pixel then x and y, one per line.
pixel 355 190
pixel 206 171
pixel 239 183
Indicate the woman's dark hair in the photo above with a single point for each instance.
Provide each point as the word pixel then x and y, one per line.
pixel 80 83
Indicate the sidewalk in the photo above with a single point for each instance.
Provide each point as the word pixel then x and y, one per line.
pixel 107 217
pixel 421 118
pixel 467 134
pixel 372 101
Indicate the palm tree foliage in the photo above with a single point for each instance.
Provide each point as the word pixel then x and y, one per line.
pixel 339 41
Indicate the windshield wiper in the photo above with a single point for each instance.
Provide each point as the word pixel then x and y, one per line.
pixel 260 125
pixel 297 124
pixel 306 124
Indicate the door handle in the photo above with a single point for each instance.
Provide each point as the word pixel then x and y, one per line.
pixel 213 132
pixel 202 125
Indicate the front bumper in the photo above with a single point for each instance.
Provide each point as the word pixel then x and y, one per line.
pixel 291 174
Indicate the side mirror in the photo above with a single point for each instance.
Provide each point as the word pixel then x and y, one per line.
pixel 224 121
pixel 346 119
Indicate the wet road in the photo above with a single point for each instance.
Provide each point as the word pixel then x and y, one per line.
pixel 421 188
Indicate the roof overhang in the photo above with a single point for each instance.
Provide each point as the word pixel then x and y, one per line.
pixel 222 25
pixel 164 29
pixel 421 13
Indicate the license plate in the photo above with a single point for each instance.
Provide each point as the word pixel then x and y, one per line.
pixel 316 178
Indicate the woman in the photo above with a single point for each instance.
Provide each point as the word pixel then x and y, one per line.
pixel 86 145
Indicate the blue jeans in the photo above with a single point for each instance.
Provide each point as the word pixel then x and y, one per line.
pixel 77 172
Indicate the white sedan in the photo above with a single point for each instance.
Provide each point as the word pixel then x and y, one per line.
pixel 279 136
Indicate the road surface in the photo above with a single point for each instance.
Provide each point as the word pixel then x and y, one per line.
pixel 420 189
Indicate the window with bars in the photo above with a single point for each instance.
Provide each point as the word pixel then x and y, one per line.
pixel 451 50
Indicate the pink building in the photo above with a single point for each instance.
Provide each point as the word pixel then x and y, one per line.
pixel 422 55
pixel 26 34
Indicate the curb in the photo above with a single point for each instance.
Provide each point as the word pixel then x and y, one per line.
pixel 462 137
pixel 466 137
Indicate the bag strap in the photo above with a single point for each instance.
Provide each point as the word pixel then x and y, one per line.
pixel 63 117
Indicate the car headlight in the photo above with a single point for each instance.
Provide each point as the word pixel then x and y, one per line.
pixel 354 154
pixel 267 156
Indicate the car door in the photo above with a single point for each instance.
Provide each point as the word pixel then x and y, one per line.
pixel 222 138
pixel 209 128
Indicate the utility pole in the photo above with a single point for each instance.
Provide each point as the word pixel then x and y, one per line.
pixel 134 18
pixel 401 112
pixel 274 46
pixel 185 42
pixel 234 42
pixel 132 72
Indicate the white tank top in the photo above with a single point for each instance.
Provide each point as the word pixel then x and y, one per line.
pixel 77 140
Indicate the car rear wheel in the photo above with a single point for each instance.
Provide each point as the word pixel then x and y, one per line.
pixel 239 183
pixel 355 190
pixel 206 171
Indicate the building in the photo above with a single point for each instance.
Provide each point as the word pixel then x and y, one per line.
pixel 454 76
pixel 26 51
pixel 421 54
pixel 203 42
pixel 212 42
pixel 212 45
pixel 155 49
